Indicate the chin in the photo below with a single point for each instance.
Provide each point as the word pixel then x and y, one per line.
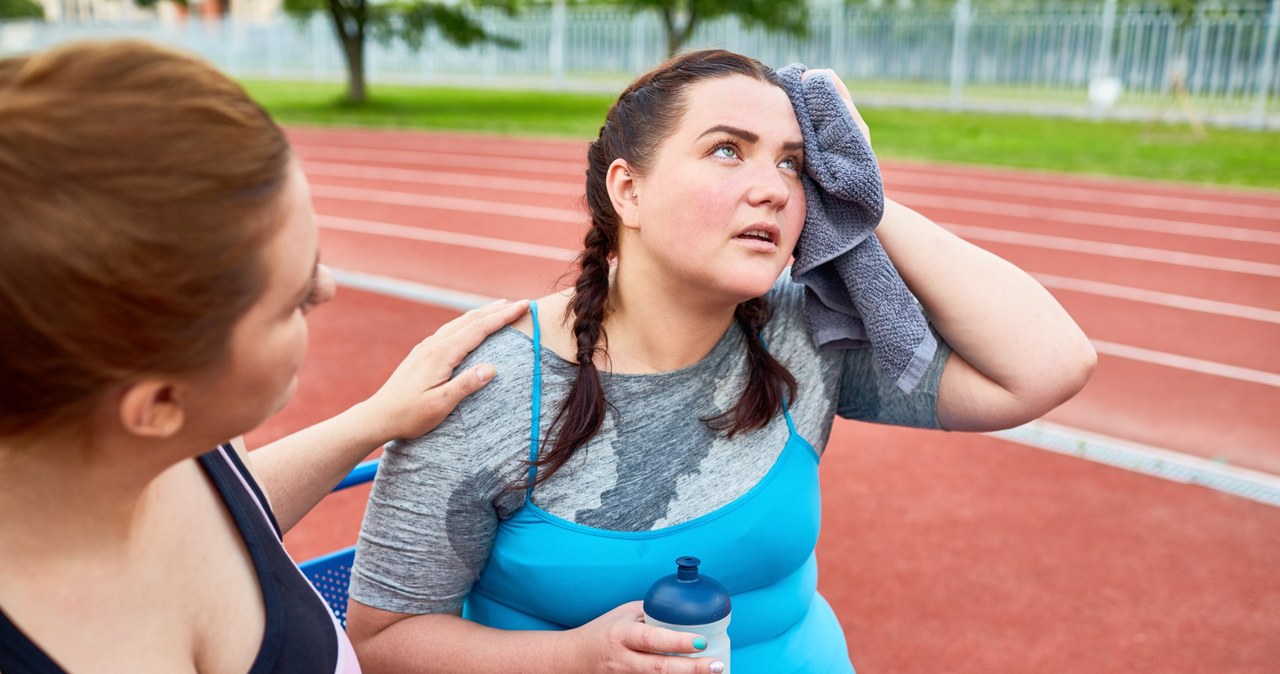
pixel 751 286
pixel 286 395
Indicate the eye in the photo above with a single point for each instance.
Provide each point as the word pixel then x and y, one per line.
pixel 792 164
pixel 726 151
pixel 312 298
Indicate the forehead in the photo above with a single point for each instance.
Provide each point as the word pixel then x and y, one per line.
pixel 742 102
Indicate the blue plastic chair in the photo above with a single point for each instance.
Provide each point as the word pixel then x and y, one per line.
pixel 331 573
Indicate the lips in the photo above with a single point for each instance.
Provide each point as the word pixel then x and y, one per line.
pixel 762 232
pixel 757 234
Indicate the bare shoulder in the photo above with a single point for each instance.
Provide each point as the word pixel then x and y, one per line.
pixel 238 445
pixel 554 332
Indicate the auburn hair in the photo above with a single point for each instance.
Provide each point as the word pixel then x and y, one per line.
pixel 138 187
pixel 645 115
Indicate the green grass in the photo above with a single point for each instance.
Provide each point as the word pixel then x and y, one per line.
pixel 539 113
pixel 1141 150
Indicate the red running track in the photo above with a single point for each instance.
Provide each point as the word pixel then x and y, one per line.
pixel 941 552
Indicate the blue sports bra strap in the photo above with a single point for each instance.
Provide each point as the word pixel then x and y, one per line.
pixel 786 412
pixel 537 401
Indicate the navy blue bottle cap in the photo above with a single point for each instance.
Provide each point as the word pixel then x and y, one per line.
pixel 687 597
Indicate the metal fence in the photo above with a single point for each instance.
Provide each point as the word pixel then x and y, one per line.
pixel 1220 65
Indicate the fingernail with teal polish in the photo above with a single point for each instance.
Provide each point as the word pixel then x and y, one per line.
pixel 717 667
pixel 700 643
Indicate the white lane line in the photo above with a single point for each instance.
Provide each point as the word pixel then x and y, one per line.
pixel 1132 456
pixel 1187 363
pixel 564 215
pixel 1159 298
pixel 1154 461
pixel 1116 250
pixel 995 185
pixel 410 290
pixel 566 254
pixel 560 215
pixel 489 243
pixel 420 177
pixel 1033 213
pixel 1012 187
pixel 446 159
pixel 446 238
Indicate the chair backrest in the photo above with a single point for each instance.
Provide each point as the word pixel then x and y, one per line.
pixel 331 573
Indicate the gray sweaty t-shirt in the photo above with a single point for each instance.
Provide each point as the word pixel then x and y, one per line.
pixel 437 501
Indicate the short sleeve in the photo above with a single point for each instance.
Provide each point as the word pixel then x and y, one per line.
pixel 866 394
pixel 426 530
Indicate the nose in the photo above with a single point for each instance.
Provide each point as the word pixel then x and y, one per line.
pixel 769 187
pixel 326 286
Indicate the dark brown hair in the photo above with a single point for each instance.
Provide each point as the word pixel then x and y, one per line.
pixel 645 115
pixel 137 189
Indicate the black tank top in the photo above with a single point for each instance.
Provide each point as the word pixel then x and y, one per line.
pixel 301 636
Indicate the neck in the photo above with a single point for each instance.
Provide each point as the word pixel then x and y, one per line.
pixel 654 326
pixel 60 495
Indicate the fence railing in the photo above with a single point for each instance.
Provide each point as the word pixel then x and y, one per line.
pixel 1220 65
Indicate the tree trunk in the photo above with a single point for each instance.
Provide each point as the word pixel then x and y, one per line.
pixel 669 28
pixel 353 49
pixel 348 22
pixel 679 25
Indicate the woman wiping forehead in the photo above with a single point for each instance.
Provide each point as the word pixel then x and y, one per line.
pixel 705 223
pixel 665 427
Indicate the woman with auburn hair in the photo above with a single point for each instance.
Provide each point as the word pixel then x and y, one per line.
pixel 158 257
pixel 673 403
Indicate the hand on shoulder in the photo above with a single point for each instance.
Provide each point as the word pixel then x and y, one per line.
pixel 422 390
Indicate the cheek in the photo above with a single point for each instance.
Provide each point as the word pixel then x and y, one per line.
pixel 714 206
pixel 288 348
pixel 298 342
pixel 793 216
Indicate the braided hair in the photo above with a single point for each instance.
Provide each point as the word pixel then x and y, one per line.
pixel 647 113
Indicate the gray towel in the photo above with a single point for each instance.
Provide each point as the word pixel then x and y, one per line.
pixel 854 298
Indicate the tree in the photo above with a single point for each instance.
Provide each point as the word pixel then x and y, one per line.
pixel 21 9
pixel 405 20
pixel 681 17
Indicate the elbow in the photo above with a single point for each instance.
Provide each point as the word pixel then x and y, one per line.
pixel 1077 369
pixel 1066 376
pixel 971 401
pixel 1086 364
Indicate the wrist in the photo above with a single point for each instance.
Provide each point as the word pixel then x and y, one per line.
pixel 368 424
pixel 564 658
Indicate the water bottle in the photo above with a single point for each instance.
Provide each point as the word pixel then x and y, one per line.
pixel 689 602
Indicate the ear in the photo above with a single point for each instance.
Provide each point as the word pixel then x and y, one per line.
pixel 153 408
pixel 623 193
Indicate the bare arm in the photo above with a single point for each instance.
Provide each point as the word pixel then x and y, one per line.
pixel 1017 353
pixel 299 470
pixel 398 643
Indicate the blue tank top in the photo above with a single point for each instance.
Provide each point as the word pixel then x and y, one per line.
pixel 546 572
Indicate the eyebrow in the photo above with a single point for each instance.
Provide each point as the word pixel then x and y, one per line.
pixel 790 146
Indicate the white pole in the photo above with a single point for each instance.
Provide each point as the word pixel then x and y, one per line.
pixel 1268 67
pixel 836 24
pixel 556 56
pixel 1106 38
pixel 958 52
